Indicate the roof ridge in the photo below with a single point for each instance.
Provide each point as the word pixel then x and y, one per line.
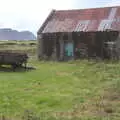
pixel 87 8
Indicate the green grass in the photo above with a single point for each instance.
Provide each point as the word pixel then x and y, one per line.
pixel 21 46
pixel 76 90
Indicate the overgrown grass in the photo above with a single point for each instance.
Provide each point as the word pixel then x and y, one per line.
pixel 76 90
pixel 21 46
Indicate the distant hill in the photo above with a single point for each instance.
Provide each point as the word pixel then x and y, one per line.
pixel 9 34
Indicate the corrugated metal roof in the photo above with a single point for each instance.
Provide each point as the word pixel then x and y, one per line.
pixel 96 19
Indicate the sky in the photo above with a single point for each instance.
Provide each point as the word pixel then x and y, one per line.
pixel 30 14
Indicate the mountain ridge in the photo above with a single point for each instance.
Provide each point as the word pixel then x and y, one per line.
pixel 11 34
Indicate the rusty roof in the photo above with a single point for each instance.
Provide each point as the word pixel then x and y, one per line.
pixel 95 19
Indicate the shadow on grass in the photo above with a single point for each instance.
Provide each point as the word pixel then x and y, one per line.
pixel 18 69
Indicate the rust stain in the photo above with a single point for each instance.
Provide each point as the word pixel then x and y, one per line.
pixel 96 19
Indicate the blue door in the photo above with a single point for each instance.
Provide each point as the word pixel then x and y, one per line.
pixel 69 49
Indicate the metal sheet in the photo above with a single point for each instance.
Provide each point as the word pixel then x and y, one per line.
pixel 82 25
pixel 105 24
pixel 96 19
pixel 112 13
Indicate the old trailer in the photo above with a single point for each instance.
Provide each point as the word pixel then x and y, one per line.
pixel 15 59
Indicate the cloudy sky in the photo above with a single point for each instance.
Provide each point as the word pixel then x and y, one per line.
pixel 30 14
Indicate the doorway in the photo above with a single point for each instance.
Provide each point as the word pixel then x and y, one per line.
pixel 69 50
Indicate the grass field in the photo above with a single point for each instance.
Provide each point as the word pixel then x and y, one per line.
pixel 76 90
pixel 21 46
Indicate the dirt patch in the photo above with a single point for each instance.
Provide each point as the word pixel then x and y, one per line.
pixel 111 95
pixel 108 104
pixel 105 105
pixel 62 74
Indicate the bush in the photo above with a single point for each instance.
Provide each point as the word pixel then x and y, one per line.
pixel 32 44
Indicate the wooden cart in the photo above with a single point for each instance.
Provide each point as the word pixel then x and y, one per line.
pixel 13 58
